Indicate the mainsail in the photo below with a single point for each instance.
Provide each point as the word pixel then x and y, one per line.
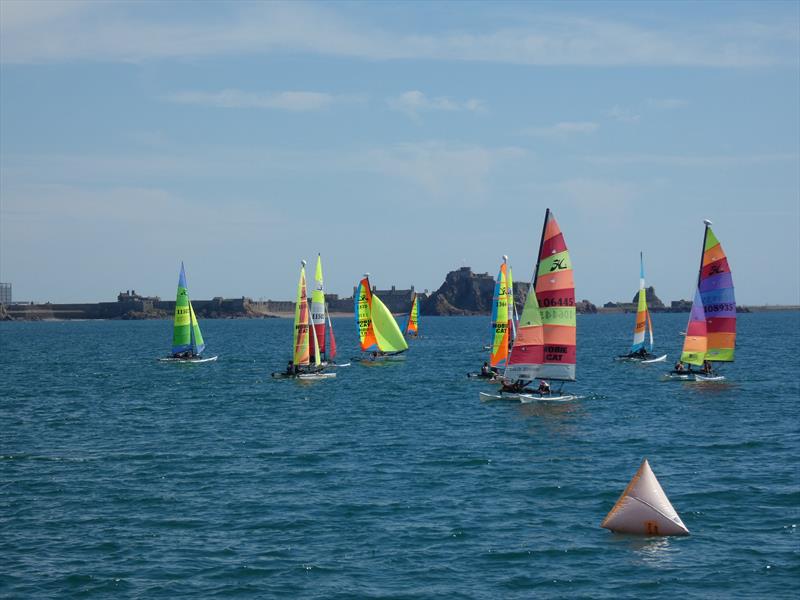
pixel 318 310
pixel 301 325
pixel 186 334
pixel 695 345
pixel 377 329
pixel 642 315
pixel 500 318
pixel 545 344
pixel 716 290
pixel 412 323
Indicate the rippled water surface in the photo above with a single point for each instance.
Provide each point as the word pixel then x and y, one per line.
pixel 121 476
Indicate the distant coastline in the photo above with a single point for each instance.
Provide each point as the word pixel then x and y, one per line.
pixel 462 293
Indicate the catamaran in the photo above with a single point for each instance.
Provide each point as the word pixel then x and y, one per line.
pixel 411 328
pixel 711 334
pixel 501 315
pixel 378 332
pixel 640 353
pixel 321 322
pixel 545 346
pixel 187 341
pixel 303 366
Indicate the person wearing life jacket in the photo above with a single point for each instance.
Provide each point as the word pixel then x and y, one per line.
pixel 544 388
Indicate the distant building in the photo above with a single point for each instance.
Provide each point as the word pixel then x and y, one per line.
pixel 5 293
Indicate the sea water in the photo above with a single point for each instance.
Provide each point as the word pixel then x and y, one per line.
pixel 124 477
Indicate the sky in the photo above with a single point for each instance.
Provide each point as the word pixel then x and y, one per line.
pixel 402 139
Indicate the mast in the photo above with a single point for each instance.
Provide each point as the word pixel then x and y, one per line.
pixel 539 253
pixel 703 251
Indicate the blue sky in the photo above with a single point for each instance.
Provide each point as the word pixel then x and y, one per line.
pixel 403 139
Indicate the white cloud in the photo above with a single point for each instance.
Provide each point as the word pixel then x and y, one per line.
pixel 563 129
pixel 623 115
pixel 667 103
pixel 231 98
pixel 413 102
pixel 111 32
pixel 688 160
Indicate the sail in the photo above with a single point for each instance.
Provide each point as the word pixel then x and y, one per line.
pixel 363 300
pixel 527 353
pixel 387 333
pixel 332 345
pixel 182 324
pixel 716 289
pixel 412 323
pixel 500 319
pixel 301 325
pixel 318 310
pixel 315 342
pixel 695 344
pixel 643 508
pixel 555 293
pixel 197 338
pixel 512 309
pixel 642 315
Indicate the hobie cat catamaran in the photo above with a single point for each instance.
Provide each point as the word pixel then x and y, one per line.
pixel 411 329
pixel 501 315
pixel 711 334
pixel 303 366
pixel 639 352
pixel 545 344
pixel 378 332
pixel 187 341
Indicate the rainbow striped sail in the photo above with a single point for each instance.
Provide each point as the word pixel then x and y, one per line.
pixel 377 329
pixel 500 318
pixel 545 344
pixel 301 326
pixel 412 323
pixel 695 345
pixel 318 310
pixel 715 283
pixel 186 336
pixel 642 315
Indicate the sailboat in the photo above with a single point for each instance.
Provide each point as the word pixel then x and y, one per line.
pixel 639 352
pixel 711 334
pixel 501 315
pixel 378 332
pixel 306 363
pixel 545 346
pixel 187 341
pixel 321 322
pixel 411 329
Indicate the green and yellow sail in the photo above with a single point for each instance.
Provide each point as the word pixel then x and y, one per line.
pixel 186 336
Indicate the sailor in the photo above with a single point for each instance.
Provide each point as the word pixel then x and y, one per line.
pixel 544 388
pixel 706 367
pixel 516 387
pixel 290 368
pixel 486 371
pixel 679 367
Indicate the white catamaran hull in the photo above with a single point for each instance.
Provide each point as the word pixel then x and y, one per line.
pixel 489 397
pixel 528 398
pixel 691 377
pixel 304 376
pixel 655 359
pixel 195 360
pixel 659 359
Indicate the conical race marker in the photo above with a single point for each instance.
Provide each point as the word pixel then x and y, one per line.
pixel 643 508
